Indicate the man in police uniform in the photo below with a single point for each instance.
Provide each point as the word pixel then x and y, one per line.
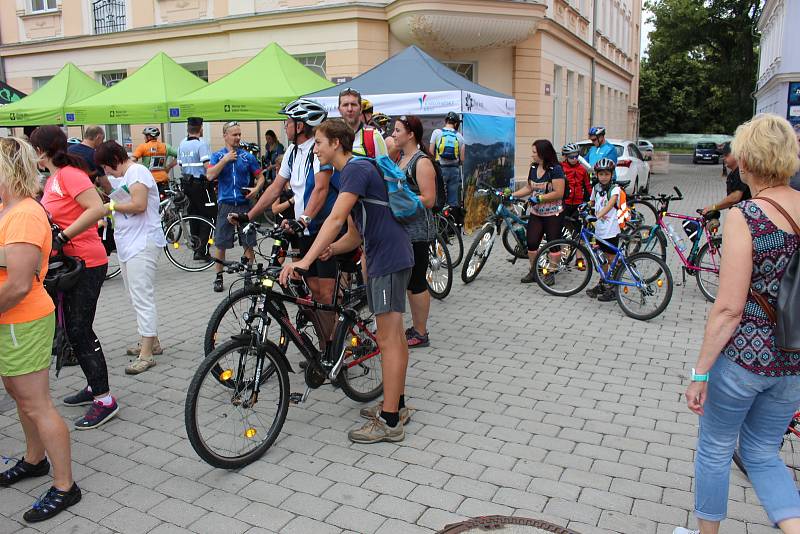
pixel 193 157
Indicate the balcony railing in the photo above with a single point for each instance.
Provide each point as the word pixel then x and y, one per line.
pixel 109 16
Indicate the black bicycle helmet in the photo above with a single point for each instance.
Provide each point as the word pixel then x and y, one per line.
pixel 62 273
pixel 604 164
pixel 452 118
pixel 305 111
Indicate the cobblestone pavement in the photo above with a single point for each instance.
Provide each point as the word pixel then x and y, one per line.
pixel 561 409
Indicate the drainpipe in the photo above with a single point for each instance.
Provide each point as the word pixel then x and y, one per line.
pixel 594 62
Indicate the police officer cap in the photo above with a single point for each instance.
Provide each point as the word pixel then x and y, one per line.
pixel 194 121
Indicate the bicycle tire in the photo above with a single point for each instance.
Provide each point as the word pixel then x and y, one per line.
pixel 566 268
pixel 451 234
pixel 511 245
pixel 705 279
pixel 348 330
pixel 661 277
pixel 484 238
pixel 114 270
pixel 175 241
pixel 739 463
pixel 640 240
pixel 201 443
pixel 439 275
pixel 228 305
pixel 648 212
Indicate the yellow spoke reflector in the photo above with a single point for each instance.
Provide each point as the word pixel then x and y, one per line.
pixel 226 374
pixel 625 290
pixel 211 241
pixel 176 245
pixel 268 282
pixel 660 282
pixel 544 270
pixel 354 341
pixel 250 433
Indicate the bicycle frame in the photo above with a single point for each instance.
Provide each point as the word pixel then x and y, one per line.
pixel 586 237
pixel 685 260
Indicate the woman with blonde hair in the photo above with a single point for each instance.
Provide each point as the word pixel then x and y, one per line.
pixel 26 331
pixel 743 387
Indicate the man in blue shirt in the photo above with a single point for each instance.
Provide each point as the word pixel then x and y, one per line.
pixel 602 148
pixel 236 170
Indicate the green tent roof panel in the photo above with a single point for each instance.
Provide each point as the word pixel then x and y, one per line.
pixel 141 98
pixel 256 90
pixel 46 104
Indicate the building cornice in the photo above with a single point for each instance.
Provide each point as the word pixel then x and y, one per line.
pixel 784 77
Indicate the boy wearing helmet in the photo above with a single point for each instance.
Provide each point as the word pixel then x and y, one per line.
pixel 577 177
pixel 154 155
pixel 605 197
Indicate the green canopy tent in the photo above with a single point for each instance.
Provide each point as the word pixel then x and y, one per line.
pixel 46 104
pixel 255 91
pixel 141 98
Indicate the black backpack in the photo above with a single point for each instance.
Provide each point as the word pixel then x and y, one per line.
pixel 441 191
pixel 786 314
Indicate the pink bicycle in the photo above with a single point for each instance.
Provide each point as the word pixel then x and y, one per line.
pixel 698 246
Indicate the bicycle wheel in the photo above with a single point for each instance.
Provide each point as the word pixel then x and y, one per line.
pixel 451 235
pixel 235 315
pixel 227 424
pixel 643 213
pixel 184 250
pixel 440 270
pixel 511 245
pixel 478 253
pixel 709 258
pixel 642 239
pixel 563 267
pixel 114 269
pixel 361 377
pixel 643 303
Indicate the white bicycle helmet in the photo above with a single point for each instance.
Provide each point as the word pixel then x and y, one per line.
pixel 604 164
pixel 570 149
pixel 73 141
pixel 152 131
pixel 305 111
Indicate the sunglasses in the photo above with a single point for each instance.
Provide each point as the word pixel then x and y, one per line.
pixel 230 124
pixel 572 156
pixel 349 91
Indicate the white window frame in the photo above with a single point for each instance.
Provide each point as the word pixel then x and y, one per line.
pixel 557 103
pixel 45 6
pixel 312 62
pixel 570 108
pixel 39 81
pixel 199 69
pixel 459 66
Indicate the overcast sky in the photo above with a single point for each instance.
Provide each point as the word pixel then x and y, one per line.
pixel 646 29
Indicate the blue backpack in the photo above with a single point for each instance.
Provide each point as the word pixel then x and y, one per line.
pixel 448 145
pixel 404 204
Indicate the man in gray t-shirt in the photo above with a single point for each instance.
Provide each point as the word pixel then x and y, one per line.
pixel 449 149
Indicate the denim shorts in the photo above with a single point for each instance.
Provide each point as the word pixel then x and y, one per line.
pixel 225 231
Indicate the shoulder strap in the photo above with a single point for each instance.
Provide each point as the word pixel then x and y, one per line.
pixel 783 212
pixel 411 168
pixel 368 142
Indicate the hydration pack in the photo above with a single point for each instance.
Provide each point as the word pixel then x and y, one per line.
pixel 448 147
pixel 403 203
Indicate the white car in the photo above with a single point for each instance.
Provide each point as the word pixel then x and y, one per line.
pixel 631 163
pixel 646 147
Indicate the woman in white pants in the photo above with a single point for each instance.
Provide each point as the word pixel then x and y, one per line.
pixel 139 238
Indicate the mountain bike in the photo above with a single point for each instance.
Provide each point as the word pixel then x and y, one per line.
pixel 642 282
pixel 237 401
pixel 184 249
pixel 789 449
pixel 450 233
pixel 439 275
pixel 701 260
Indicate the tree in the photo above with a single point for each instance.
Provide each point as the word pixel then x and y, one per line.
pixel 701 66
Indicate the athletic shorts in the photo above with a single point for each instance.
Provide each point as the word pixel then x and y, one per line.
pixel 225 231
pixel 418 283
pixel 605 248
pixel 318 269
pixel 388 293
pixel 26 347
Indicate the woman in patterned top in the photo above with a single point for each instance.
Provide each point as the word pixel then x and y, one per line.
pixel 743 388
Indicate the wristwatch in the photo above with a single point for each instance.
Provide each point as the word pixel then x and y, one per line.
pixel 305 219
pixel 699 378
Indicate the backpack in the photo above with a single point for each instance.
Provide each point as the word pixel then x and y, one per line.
pixel 403 203
pixel 368 142
pixel 441 191
pixel 448 148
pixel 786 314
pixel 623 211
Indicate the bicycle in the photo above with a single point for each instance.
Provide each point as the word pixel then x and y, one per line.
pixel 249 372
pixel 638 279
pixel 789 449
pixel 105 227
pixel 702 261
pixel 181 232
pixel 439 275
pixel 450 233
pixel 482 244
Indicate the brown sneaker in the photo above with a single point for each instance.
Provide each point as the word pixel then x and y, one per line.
pixel 134 351
pixel 139 366
pixel 376 430
pixel 374 411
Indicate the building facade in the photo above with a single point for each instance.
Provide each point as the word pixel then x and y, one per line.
pixel 568 63
pixel 778 85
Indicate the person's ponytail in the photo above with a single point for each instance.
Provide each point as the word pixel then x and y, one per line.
pixel 52 142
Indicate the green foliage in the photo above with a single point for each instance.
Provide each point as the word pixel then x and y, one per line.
pixel 701 66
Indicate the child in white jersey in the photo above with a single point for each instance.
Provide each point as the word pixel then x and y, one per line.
pixel 605 199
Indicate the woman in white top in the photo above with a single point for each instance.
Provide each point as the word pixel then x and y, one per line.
pixel 139 238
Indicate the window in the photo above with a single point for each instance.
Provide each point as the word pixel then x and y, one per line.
pixel 570 115
pixel 556 92
pixel 116 132
pixel 315 62
pixel 467 70
pixel 39 81
pixel 43 5
pixel 581 106
pixel 198 69
pixel 112 78
pixel 109 16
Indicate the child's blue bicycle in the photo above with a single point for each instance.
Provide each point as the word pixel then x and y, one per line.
pixel 642 282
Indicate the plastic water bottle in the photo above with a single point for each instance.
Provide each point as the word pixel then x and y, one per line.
pixel 679 241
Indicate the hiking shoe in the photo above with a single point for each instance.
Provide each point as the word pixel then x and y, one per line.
pixel 376 430
pixel 52 503
pixel 681 530
pixel 23 470
pixel 139 366
pixel 201 256
pixel 98 415
pixel 596 290
pixel 415 339
pixel 218 285
pixel 81 398
pixel 135 351
pixel 607 295
pixel 528 278
pixel 374 411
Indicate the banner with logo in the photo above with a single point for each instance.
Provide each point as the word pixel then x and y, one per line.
pixel 478 104
pixel 793 109
pixel 9 95
pixel 434 103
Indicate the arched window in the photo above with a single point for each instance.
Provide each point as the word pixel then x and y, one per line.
pixel 109 16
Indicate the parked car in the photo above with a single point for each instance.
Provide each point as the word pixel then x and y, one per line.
pixel 631 163
pixel 646 148
pixel 706 151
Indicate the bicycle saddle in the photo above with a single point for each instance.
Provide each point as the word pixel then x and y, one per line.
pixel 623 183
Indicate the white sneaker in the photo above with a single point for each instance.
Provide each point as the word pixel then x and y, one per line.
pixel 681 530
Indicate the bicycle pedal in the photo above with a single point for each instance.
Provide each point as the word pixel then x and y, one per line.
pixel 295 398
